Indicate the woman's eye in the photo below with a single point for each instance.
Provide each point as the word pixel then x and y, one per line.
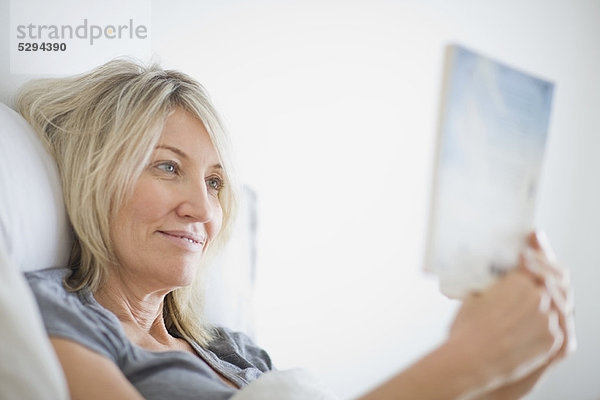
pixel 215 183
pixel 168 167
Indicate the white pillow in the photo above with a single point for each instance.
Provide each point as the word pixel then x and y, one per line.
pixel 29 367
pixel 34 227
pixel 34 234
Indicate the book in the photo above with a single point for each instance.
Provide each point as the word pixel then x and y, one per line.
pixel 492 133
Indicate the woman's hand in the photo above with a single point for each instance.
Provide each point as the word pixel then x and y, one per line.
pixel 502 340
pixel 520 325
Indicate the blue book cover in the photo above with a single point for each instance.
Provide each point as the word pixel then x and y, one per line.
pixel 493 126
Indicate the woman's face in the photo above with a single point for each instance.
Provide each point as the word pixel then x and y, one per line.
pixel 162 230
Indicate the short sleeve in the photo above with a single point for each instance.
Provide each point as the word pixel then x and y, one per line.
pixel 69 315
pixel 238 349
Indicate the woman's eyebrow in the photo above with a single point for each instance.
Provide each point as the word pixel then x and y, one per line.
pixel 182 154
pixel 173 149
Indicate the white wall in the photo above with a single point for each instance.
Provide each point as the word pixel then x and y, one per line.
pixel 332 106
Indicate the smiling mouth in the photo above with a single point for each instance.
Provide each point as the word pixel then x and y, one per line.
pixel 185 239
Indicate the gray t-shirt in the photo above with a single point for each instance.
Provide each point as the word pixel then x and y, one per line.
pixel 79 317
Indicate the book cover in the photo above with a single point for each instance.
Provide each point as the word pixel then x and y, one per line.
pixel 493 125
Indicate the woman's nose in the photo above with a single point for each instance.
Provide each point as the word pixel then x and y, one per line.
pixel 196 203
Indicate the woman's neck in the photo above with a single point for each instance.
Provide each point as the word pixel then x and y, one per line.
pixel 140 312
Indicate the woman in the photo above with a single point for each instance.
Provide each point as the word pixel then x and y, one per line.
pixel 150 194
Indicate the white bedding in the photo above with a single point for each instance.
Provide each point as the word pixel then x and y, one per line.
pixel 28 367
pixel 294 384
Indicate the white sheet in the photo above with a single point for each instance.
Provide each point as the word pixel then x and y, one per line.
pixel 294 384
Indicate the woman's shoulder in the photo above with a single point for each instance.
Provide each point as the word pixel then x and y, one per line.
pixel 51 294
pixel 47 280
pixel 74 315
pixel 48 289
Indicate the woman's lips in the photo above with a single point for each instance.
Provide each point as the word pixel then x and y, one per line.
pixel 185 240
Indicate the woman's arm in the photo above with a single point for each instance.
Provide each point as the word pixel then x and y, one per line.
pixel 494 334
pixel 445 373
pixel 542 263
pixel 500 343
pixel 91 376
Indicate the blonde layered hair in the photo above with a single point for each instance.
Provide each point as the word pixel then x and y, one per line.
pixel 102 127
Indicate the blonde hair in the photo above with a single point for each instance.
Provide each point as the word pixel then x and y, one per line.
pixel 101 127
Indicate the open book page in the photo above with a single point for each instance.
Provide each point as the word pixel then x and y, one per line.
pixel 492 133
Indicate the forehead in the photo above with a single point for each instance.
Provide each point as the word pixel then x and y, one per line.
pixel 187 133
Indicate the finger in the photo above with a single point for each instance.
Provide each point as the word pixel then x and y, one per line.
pixel 554 325
pixel 529 266
pixel 546 302
pixel 558 289
pixel 565 309
pixel 565 319
pixel 544 258
pixel 556 301
pixel 538 263
pixel 539 241
pixel 557 286
pixel 556 283
pixel 569 339
pixel 562 325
